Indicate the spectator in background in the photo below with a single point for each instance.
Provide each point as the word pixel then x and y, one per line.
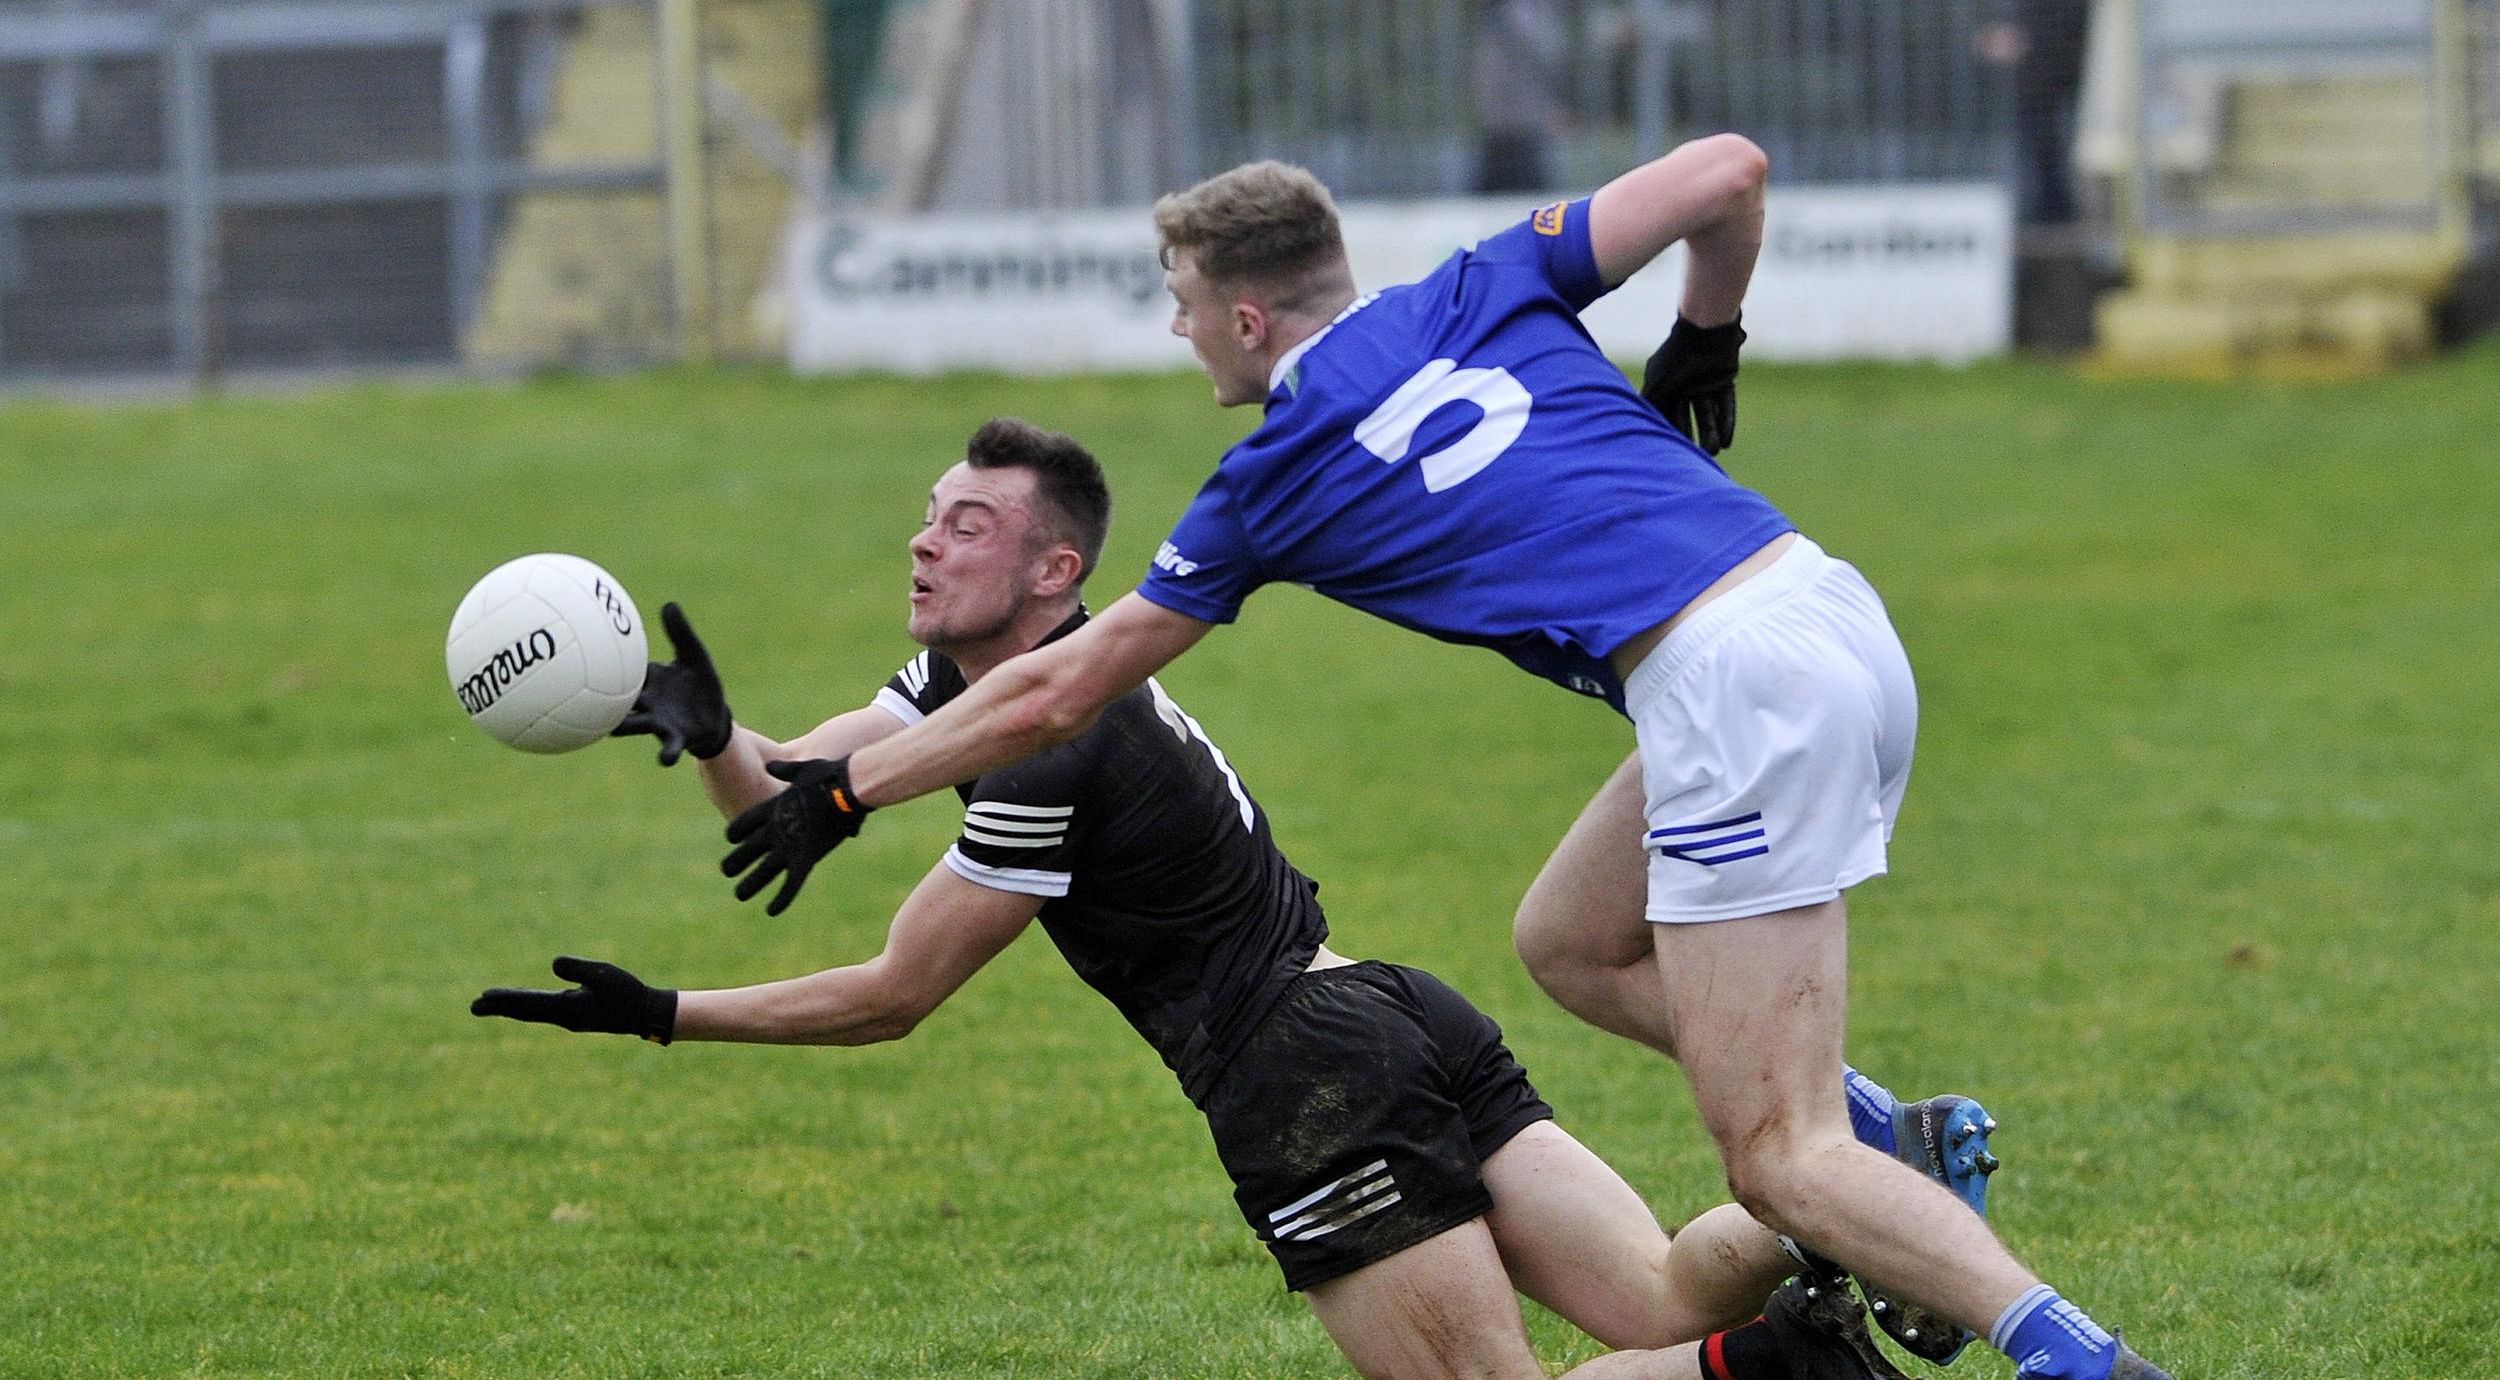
pixel 2042 42
pixel 1522 93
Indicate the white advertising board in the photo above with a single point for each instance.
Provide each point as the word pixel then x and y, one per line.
pixel 1895 272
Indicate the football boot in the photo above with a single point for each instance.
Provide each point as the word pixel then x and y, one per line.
pixel 1946 1139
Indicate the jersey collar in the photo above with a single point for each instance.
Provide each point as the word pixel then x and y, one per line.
pixel 1283 375
pixel 1073 622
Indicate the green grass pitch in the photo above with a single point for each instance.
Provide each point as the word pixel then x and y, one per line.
pixel 2197 885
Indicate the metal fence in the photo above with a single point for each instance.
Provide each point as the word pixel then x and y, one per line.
pixel 193 186
pixel 1406 97
pixel 1088 102
pixel 2301 116
pixel 1040 104
pixel 197 186
pixel 211 186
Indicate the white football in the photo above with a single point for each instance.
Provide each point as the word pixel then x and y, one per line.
pixel 546 653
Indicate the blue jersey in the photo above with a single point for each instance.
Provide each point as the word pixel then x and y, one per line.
pixel 1457 456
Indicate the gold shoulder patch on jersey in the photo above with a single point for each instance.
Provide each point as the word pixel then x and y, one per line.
pixel 1548 221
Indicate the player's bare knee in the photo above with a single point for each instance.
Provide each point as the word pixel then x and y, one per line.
pixel 1553 952
pixel 1568 976
pixel 1534 940
pixel 1771 1179
pixel 1560 945
pixel 1764 1199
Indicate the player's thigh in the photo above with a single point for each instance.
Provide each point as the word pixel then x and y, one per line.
pixel 1758 1006
pixel 1588 903
pixel 1442 1307
pixel 1577 1239
pixel 1355 1119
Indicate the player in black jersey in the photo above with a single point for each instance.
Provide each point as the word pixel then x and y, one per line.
pixel 1383 1143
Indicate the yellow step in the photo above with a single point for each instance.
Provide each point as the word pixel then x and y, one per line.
pixel 2338 143
pixel 2337 332
pixel 583 278
pixel 2415 263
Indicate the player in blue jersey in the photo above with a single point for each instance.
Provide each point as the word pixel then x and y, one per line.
pixel 1384 1145
pixel 1458 457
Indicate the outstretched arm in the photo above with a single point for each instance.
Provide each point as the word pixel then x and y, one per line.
pixel 1040 699
pixel 942 935
pixel 1708 194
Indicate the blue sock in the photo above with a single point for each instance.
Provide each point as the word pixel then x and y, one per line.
pixel 2051 1339
pixel 1870 1109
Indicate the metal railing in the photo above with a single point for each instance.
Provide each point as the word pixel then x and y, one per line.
pixel 1409 97
pixel 197 185
pixel 203 186
pixel 2397 159
pixel 1087 102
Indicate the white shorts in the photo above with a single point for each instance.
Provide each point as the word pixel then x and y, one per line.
pixel 1775 729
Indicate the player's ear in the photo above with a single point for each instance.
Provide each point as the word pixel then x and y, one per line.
pixel 1062 569
pixel 1250 324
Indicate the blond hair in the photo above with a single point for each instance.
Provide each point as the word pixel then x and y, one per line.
pixel 1266 225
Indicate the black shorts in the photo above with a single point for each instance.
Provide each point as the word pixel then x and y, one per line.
pixel 1355 1117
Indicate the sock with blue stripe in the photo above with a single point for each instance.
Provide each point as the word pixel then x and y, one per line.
pixel 2051 1339
pixel 1870 1110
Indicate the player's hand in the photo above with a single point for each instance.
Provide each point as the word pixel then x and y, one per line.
pixel 1691 380
pixel 681 703
pixel 789 834
pixel 607 1001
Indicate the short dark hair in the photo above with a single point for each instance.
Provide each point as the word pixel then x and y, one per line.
pixel 1066 476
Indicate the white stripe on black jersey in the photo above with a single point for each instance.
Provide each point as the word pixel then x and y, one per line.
pixel 925 682
pixel 974 833
pixel 898 706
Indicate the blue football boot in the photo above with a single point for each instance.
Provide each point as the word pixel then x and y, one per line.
pixel 1946 1139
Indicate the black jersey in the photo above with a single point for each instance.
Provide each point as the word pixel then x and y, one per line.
pixel 1165 890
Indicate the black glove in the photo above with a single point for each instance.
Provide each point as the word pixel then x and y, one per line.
pixel 1692 382
pixel 609 1001
pixel 681 703
pixel 794 830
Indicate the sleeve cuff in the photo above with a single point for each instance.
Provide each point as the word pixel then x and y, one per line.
pixel 894 704
pixel 1024 881
pixel 1187 605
